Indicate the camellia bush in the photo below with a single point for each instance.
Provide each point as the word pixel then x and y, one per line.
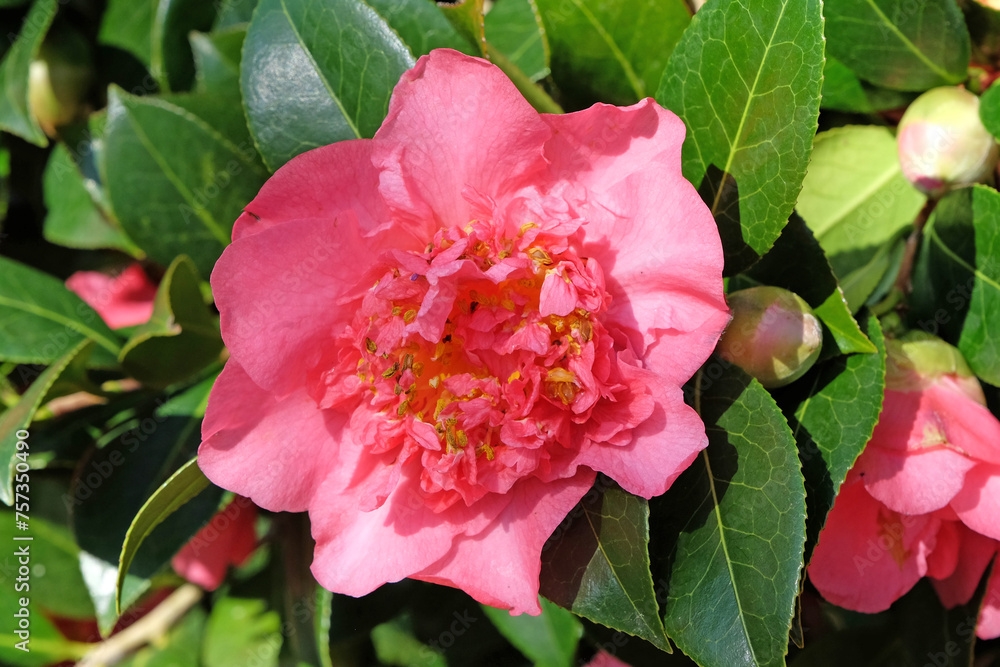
pixel 511 332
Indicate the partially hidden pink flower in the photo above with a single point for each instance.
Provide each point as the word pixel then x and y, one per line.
pixel 121 301
pixel 227 540
pixel 440 335
pixel 923 499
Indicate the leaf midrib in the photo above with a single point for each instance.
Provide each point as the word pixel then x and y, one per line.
pixel 638 87
pixel 58 318
pixel 907 43
pixel 932 234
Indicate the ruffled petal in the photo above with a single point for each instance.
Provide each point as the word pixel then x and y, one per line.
pixel 913 482
pixel 868 556
pixel 285 292
pixel 648 228
pixel 973 553
pixel 323 183
pixel 500 566
pixel 968 426
pixel 456 126
pixel 256 445
pixel 978 503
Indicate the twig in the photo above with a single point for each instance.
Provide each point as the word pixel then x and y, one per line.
pixel 912 244
pixel 153 625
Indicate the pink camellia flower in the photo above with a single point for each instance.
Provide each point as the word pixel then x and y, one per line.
pixel 121 301
pixel 228 539
pixel 923 499
pixel 441 334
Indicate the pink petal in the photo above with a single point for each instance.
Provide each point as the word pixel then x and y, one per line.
pixel 228 539
pixel 500 566
pixel 649 229
pixel 122 301
pixel 978 503
pixel 605 659
pixel 357 551
pixel 284 292
pixel 258 446
pixel 455 125
pixel 989 615
pixel 913 482
pixel 969 426
pixel 973 554
pixel 321 183
pixel 662 446
pixel 868 556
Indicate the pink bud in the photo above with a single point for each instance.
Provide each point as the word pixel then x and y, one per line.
pixel 58 80
pixel 774 335
pixel 943 144
pixel 918 360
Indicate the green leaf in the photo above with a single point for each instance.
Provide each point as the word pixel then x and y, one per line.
pixel 45 644
pixel 110 488
pixel 233 12
pixel 56 586
pixel 19 417
pixel 15 113
pixel 843 91
pixel 989 110
pixel 797 263
pixel 316 72
pixel 747 85
pixel 899 44
pixel 40 319
pixel 241 632
pixel 597 564
pixel 179 645
pixel 74 219
pixel 176 183
pixel 548 640
pixel 180 338
pixel 395 644
pixel 217 59
pixel 834 420
pixel 735 528
pixel 469 20
pixel 128 25
pixel 421 26
pixel 182 486
pixel 980 340
pixel 171 60
pixel 515 28
pixel 611 51
pixel 857 201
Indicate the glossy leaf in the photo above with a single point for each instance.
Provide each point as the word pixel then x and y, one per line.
pixel 316 72
pixel 395 644
pixel 469 19
pixel 597 564
pixel 217 59
pixel 176 183
pixel 171 60
pixel 734 528
pixel 15 114
pixel 611 51
pixel 899 44
pixel 797 263
pixel 834 420
pixel 74 219
pixel 19 417
pixel 180 338
pixel 41 320
pixel 746 82
pixel 980 340
pixel 421 26
pixel 182 486
pixel 989 110
pixel 128 25
pixel 241 631
pixel 844 91
pixel 233 13
pixel 856 201
pixel 515 28
pixel 548 640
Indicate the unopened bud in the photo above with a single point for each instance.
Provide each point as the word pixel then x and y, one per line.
pixel 918 360
pixel 774 335
pixel 942 142
pixel 58 80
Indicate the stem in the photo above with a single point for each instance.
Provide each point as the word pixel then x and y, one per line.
pixel 903 283
pixel 531 91
pixel 147 629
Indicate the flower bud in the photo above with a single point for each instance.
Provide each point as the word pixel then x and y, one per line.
pixel 942 142
pixel 58 80
pixel 774 335
pixel 918 360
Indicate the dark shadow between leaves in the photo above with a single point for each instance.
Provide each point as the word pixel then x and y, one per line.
pixel 721 194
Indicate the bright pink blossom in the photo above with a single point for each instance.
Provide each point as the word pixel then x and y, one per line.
pixel 923 499
pixel 439 336
pixel 121 301
pixel 228 539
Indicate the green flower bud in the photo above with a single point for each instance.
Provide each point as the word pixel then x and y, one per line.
pixel 943 144
pixel 58 80
pixel 774 335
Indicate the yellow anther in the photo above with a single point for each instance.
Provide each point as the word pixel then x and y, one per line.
pixel 370 345
pixel 559 374
pixel 516 375
pixel 540 256
pixel 403 407
pixel 389 372
pixel 409 316
pixel 524 228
